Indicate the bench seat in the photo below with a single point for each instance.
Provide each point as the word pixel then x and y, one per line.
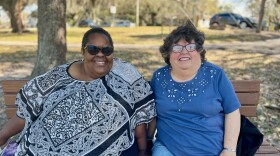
pixel 248 92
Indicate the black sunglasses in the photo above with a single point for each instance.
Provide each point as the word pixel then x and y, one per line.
pixel 94 50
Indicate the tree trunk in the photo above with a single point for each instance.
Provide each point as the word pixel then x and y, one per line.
pixel 18 26
pixel 261 16
pixel 51 35
pixel 13 7
pixel 153 18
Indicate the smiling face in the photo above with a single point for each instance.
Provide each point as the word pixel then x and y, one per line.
pixel 97 65
pixel 185 60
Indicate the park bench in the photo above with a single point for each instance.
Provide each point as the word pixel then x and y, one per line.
pixel 248 92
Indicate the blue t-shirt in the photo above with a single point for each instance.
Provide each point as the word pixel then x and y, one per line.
pixel 190 115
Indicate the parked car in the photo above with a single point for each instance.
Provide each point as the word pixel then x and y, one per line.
pixel 236 20
pixel 255 22
pixel 87 23
pixel 123 23
pixel 276 26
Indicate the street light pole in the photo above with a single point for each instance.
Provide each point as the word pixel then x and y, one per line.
pixel 137 12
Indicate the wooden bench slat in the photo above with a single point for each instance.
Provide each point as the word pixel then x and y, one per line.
pixel 10 112
pixel 12 86
pixel 248 98
pixel 249 111
pixel 10 99
pixel 246 86
pixel 247 92
pixel 267 154
pixel 267 149
pixel 248 107
pixel 265 143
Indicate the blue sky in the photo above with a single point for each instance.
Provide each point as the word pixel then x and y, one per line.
pixel 4 17
pixel 239 6
pixel 30 8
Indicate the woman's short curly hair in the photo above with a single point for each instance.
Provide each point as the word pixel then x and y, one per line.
pixel 187 32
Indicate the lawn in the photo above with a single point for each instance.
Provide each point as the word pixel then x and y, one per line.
pixel 144 35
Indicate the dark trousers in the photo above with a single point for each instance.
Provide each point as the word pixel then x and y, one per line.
pixel 132 151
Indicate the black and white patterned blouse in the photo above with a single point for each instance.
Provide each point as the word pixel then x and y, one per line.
pixel 65 116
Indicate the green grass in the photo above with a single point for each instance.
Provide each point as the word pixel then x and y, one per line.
pixel 145 35
pixel 139 35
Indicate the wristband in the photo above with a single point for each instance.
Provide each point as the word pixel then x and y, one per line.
pixel 229 149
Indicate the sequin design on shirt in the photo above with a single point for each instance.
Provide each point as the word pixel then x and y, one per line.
pixel 183 92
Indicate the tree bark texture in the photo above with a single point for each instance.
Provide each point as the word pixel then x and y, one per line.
pixel 261 16
pixel 13 7
pixel 51 35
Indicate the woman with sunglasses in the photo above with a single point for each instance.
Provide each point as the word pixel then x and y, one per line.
pixel 197 109
pixel 95 106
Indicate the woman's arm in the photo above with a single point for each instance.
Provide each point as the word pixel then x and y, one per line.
pixel 150 136
pixel 141 138
pixel 152 128
pixel 232 128
pixel 12 127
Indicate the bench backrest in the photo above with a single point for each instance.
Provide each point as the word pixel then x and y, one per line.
pixel 10 90
pixel 248 92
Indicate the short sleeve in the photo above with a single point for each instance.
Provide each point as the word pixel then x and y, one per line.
pixel 152 82
pixel 230 101
pixel 145 108
pixel 29 105
pixel 33 94
pixel 28 101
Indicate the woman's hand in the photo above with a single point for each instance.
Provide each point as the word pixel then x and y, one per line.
pixel 12 127
pixel 3 139
pixel 141 138
pixel 232 128
pixel 142 153
pixel 227 153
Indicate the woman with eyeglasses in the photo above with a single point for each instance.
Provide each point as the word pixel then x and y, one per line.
pixel 197 109
pixel 96 106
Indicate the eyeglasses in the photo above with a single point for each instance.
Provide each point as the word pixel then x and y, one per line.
pixel 179 48
pixel 94 50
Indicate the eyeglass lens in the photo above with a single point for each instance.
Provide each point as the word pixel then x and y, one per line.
pixel 179 48
pixel 93 50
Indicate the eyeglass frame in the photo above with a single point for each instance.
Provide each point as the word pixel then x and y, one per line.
pixel 184 46
pixel 100 49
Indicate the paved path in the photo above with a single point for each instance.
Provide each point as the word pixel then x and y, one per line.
pixel 268 47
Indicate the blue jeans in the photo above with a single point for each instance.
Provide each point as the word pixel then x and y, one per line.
pixel 160 150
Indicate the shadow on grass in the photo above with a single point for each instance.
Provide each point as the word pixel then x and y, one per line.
pixel 17 56
pixel 221 37
pixel 156 36
pixel 241 37
pixel 226 38
pixel 10 33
